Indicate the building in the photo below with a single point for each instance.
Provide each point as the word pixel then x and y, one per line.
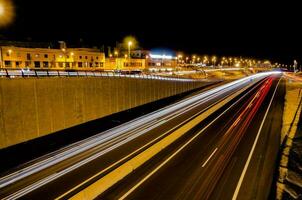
pixel 12 57
pixel 125 64
pixel 18 56
pixel 156 61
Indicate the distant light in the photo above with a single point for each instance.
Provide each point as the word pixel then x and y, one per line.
pixel 9 51
pixel 1 10
pixel 7 12
pixel 72 54
pixel 161 56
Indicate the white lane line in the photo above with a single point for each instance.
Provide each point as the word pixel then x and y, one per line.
pixel 235 195
pixel 180 149
pixel 167 132
pixel 107 135
pixel 51 178
pixel 212 154
pixel 204 95
pixel 95 140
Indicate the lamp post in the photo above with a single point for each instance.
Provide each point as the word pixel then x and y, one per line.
pixel 129 48
pixel 116 53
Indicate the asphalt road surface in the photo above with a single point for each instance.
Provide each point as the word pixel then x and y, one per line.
pixel 202 160
pixel 233 158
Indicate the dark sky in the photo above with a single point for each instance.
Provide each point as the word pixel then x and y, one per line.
pixel 205 27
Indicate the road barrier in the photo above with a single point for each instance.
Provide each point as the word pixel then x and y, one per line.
pixel 57 73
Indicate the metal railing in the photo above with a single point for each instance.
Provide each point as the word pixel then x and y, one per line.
pixel 19 73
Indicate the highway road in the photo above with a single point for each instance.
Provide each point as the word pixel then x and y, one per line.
pixel 232 158
pixel 63 173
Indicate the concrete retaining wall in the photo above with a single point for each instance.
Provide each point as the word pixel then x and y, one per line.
pixel 32 107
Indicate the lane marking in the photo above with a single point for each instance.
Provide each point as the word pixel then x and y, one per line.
pixel 149 143
pixel 180 149
pixel 209 93
pixel 91 142
pixel 212 154
pixel 54 176
pixel 235 195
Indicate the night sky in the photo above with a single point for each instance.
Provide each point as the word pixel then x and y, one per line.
pixel 260 30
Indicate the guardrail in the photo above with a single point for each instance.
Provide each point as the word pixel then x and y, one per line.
pixel 56 73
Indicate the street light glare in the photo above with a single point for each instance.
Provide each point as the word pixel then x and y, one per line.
pixel 6 12
pixel 1 10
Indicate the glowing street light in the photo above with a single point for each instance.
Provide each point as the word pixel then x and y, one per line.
pixel 6 12
pixel 214 59
pixel 129 47
pixel 2 10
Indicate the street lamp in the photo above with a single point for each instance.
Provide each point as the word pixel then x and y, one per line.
pixel 1 9
pixel 214 60
pixel 6 12
pixel 129 48
pixel 116 53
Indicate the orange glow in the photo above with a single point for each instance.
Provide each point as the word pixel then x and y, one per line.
pixel 7 13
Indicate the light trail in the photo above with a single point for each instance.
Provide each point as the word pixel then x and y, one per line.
pixel 131 130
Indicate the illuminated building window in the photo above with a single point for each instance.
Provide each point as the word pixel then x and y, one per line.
pixel 45 64
pixel 18 63
pixel 37 64
pixel 61 64
pixel 27 63
pixel 8 63
pixel 28 57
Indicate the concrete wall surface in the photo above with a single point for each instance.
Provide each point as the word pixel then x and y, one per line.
pixel 34 107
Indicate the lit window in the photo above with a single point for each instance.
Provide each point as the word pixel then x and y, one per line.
pixel 7 63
